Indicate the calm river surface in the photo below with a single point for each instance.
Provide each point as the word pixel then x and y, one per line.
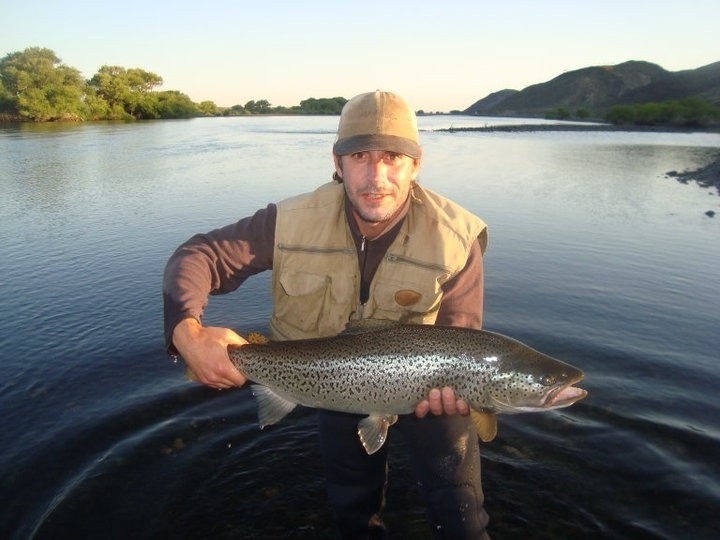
pixel 595 257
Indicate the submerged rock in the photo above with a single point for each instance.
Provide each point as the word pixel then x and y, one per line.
pixel 707 176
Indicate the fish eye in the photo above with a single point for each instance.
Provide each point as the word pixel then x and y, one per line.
pixel 548 380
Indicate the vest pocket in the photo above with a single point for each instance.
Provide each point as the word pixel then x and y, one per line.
pixel 315 304
pixel 414 299
pixel 304 296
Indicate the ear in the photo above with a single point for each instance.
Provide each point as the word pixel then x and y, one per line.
pixel 417 163
pixel 338 165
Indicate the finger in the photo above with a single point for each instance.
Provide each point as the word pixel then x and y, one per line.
pixel 449 404
pixel 232 375
pixel 222 376
pixel 231 337
pixel 462 407
pixel 435 401
pixel 228 377
pixel 221 384
pixel 422 408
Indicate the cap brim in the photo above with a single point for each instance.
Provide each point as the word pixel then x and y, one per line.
pixel 389 143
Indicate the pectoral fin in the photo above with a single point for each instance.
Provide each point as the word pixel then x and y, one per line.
pixel 271 407
pixel 485 424
pixel 372 431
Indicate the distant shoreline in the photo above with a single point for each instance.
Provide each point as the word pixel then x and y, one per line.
pixel 707 176
pixel 583 127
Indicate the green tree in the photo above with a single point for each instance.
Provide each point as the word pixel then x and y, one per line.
pixel 208 108
pixel 620 115
pixel 647 114
pixel 561 113
pixel 261 106
pixel 322 105
pixel 696 112
pixel 38 87
pixel 685 112
pixel 128 92
pixel 235 110
pixel 97 107
pixel 582 113
pixel 174 104
pixel 7 101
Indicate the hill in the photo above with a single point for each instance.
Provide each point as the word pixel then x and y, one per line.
pixel 703 82
pixel 599 88
pixel 490 102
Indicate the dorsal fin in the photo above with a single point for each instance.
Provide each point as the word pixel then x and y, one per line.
pixel 363 326
pixel 257 338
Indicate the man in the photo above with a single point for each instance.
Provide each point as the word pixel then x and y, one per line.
pixel 372 244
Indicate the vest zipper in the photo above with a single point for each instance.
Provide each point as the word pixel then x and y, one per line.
pixel 286 247
pixel 421 264
pixel 364 291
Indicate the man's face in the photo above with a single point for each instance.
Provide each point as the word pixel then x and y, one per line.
pixel 377 184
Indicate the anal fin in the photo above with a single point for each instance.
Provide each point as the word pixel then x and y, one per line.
pixel 485 424
pixel 372 431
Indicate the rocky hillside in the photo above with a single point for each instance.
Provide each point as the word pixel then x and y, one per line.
pixel 601 87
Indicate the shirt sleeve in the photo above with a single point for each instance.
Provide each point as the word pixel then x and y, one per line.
pixel 462 301
pixel 217 262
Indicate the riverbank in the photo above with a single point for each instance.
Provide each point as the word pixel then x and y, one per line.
pixel 584 127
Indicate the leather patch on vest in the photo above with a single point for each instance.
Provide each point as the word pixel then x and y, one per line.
pixel 406 297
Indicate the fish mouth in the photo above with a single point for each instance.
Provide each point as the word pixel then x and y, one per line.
pixel 565 395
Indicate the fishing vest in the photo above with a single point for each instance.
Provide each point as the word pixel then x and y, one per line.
pixel 316 274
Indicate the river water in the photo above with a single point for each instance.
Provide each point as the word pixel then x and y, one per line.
pixel 595 257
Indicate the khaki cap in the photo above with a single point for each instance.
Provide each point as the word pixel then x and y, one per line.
pixel 378 121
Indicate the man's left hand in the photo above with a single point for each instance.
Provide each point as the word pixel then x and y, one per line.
pixel 442 402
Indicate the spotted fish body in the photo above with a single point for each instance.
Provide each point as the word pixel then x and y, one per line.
pixel 386 372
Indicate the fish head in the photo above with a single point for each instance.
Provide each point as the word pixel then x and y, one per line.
pixel 527 381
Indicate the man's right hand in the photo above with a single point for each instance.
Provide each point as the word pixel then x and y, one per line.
pixel 204 350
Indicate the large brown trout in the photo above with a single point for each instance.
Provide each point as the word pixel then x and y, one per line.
pixel 385 371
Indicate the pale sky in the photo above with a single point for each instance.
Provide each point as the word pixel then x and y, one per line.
pixel 440 55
